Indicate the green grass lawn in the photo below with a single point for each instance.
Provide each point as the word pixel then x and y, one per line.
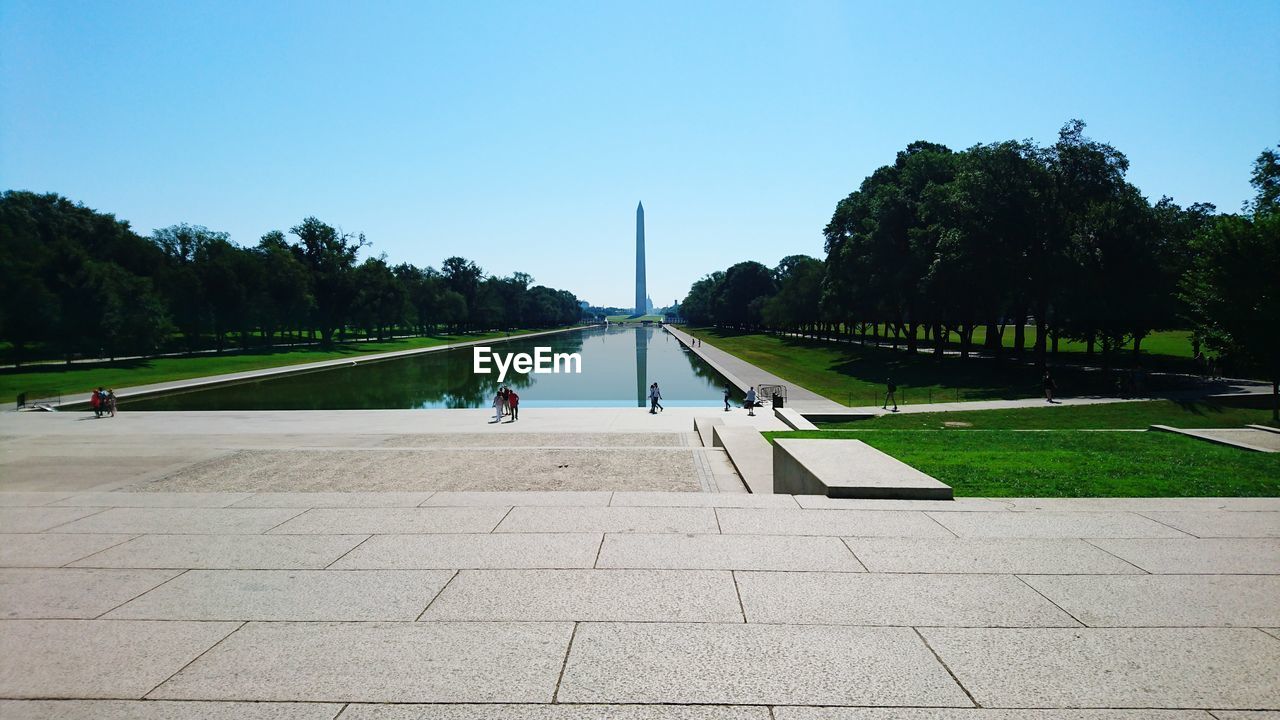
pixel 1074 463
pixel 42 381
pixel 1137 415
pixel 854 374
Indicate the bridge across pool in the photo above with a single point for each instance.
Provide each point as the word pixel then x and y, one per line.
pixel 618 364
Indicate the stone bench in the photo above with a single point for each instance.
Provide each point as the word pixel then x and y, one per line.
pixel 750 454
pixel 848 469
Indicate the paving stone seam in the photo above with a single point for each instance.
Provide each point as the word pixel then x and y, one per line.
pixel 348 552
pixel 292 517
pixel 822 624
pixel 946 667
pixel 193 660
pixel 595 564
pixel 501 520
pixel 430 495
pixel 1273 633
pixel 128 538
pixel 1158 522
pixel 64 524
pixel 939 523
pixel 555 694
pixel 1130 563
pixel 576 705
pixel 434 597
pixel 101 615
pixel 737 591
pixel 1050 600
pixel 716 511
pixel 845 541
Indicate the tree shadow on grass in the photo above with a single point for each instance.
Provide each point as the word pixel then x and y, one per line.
pixel 923 377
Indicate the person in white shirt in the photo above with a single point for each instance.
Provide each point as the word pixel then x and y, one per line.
pixel 750 402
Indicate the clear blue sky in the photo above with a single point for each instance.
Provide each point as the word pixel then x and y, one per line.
pixel 521 135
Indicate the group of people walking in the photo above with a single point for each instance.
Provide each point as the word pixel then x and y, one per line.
pixel 103 402
pixel 506 403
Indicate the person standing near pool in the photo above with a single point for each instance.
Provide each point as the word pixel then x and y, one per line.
pixel 726 398
pixel 497 406
pixel 750 402
pixel 513 403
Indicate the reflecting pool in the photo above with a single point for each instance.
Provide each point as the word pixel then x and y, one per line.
pixel 618 364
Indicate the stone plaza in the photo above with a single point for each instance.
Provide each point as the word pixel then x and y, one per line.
pixel 591 563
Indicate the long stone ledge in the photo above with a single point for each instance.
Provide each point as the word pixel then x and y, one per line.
pixel 849 469
pixel 705 427
pixel 1242 438
pixel 750 454
pixel 793 419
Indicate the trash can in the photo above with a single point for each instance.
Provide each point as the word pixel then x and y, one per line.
pixel 778 401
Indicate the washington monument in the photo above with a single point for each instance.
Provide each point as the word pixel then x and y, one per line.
pixel 641 296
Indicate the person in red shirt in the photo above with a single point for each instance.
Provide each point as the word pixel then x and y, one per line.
pixel 95 402
pixel 513 402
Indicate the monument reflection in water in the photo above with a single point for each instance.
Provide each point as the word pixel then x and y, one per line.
pixel 614 361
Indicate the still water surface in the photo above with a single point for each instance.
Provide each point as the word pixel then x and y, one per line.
pixel 617 366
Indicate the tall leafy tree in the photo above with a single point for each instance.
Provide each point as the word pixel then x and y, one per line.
pixel 741 297
pixel 797 303
pixel 330 258
pixel 1231 290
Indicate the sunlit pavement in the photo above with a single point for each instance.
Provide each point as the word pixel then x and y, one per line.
pixel 173 565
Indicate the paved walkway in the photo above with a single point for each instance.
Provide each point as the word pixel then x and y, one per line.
pixel 665 605
pixel 282 371
pixel 969 405
pixel 313 566
pixel 743 375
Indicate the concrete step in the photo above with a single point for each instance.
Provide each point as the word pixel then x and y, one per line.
pixel 793 419
pixel 750 454
pixel 849 469
pixel 703 426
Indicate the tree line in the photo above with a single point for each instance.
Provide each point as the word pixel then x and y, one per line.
pixel 83 283
pixel 1010 234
